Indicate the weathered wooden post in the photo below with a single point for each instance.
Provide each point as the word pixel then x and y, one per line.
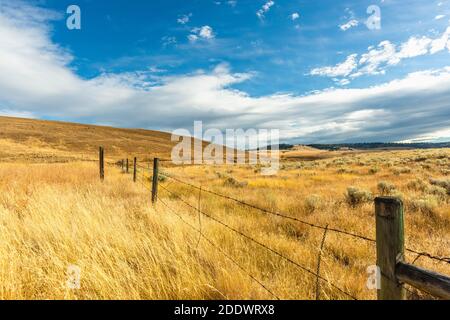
pixel 128 168
pixel 102 163
pixel 390 246
pixel 134 169
pixel 123 166
pixel 155 180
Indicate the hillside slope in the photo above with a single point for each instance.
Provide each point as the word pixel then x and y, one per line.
pixel 52 141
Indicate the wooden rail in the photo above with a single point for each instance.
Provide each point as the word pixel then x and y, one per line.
pixel 432 282
pixel 395 272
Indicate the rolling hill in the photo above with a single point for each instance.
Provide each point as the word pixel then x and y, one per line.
pixel 52 141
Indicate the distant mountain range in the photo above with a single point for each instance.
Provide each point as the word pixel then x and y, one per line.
pixel 372 145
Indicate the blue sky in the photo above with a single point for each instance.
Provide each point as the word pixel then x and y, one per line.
pixel 312 69
pixel 118 36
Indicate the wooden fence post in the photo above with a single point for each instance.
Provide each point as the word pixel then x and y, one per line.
pixel 390 246
pixel 155 180
pixel 128 170
pixel 101 155
pixel 123 164
pixel 134 169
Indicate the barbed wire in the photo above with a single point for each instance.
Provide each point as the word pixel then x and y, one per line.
pixel 210 242
pixel 319 260
pixel 419 253
pixel 326 228
pixel 144 167
pixel 142 182
pixel 142 179
pixel 282 215
pixel 261 244
pixel 426 254
pixel 285 216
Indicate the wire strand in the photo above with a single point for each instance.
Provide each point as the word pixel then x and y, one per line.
pixel 319 260
pixel 262 245
pixel 220 250
pixel 437 258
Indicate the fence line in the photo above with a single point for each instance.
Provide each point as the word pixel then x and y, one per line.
pixel 424 254
pixel 272 212
pixel 260 244
pixel 418 253
pixel 436 284
pixel 142 167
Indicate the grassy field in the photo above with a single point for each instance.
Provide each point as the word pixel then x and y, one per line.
pixel 54 213
pixel 50 141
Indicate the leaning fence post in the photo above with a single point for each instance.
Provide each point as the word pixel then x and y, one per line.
pixel 155 180
pixel 127 167
pixel 390 246
pixel 101 155
pixel 134 169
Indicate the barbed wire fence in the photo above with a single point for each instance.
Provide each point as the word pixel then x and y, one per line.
pixel 146 182
pixel 286 216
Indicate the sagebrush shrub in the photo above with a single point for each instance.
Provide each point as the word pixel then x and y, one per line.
pixel 439 192
pixel 374 170
pixel 344 170
pixel 386 188
pixel 357 196
pixel 427 204
pixel 401 170
pixel 232 182
pixel 418 185
pixel 313 203
pixel 443 183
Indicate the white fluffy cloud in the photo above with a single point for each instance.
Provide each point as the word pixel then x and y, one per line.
pixel 205 32
pixel 184 18
pixel 36 80
pixel 351 20
pixel 377 59
pixel 295 16
pixel 350 24
pixel 340 70
pixel 414 47
pixel 264 9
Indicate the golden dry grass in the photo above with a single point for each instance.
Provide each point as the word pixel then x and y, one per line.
pixel 52 141
pixel 42 141
pixel 56 215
